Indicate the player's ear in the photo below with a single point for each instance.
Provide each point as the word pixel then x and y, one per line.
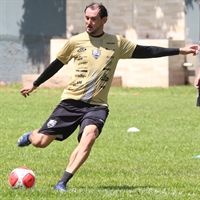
pixel 104 20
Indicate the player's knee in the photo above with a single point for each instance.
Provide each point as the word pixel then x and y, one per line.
pixel 89 136
pixel 39 141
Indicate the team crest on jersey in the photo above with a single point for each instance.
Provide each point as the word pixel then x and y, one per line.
pixel 51 123
pixel 96 53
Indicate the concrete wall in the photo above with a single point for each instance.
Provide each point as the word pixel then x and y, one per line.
pixel 26 27
pixel 135 19
pixel 12 54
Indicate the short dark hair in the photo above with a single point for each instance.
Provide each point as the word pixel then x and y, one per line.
pixel 102 10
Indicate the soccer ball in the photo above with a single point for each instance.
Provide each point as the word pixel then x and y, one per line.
pixel 22 177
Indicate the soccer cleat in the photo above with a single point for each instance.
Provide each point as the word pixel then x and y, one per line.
pixel 61 186
pixel 24 140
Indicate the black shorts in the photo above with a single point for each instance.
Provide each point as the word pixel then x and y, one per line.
pixel 69 114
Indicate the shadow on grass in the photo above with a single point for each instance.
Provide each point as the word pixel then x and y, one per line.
pixel 123 187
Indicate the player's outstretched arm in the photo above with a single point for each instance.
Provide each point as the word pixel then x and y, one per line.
pixel 55 66
pixel 156 51
pixel 193 49
pixel 25 91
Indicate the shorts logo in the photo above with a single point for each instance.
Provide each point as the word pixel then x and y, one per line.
pixel 51 123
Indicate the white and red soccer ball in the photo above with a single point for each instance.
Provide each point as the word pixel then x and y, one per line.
pixel 22 177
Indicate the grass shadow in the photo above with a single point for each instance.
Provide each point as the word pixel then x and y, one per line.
pixel 124 187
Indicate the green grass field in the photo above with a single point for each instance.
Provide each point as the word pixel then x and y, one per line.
pixel 155 163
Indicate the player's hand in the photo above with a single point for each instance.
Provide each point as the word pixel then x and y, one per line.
pixel 193 49
pixel 27 90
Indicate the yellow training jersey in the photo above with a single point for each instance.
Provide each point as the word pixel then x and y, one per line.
pixel 95 60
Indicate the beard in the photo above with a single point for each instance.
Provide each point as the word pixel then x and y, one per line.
pixel 91 30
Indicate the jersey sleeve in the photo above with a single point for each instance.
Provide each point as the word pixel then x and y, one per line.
pixel 153 51
pixel 126 48
pixel 66 53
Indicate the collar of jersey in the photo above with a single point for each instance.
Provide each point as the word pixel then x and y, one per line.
pixel 97 37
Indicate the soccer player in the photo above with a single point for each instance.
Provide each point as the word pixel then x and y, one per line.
pixel 84 100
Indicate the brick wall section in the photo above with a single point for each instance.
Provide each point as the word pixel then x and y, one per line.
pixel 176 71
pixel 156 19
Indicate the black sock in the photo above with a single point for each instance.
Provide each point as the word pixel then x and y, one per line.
pixel 66 177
